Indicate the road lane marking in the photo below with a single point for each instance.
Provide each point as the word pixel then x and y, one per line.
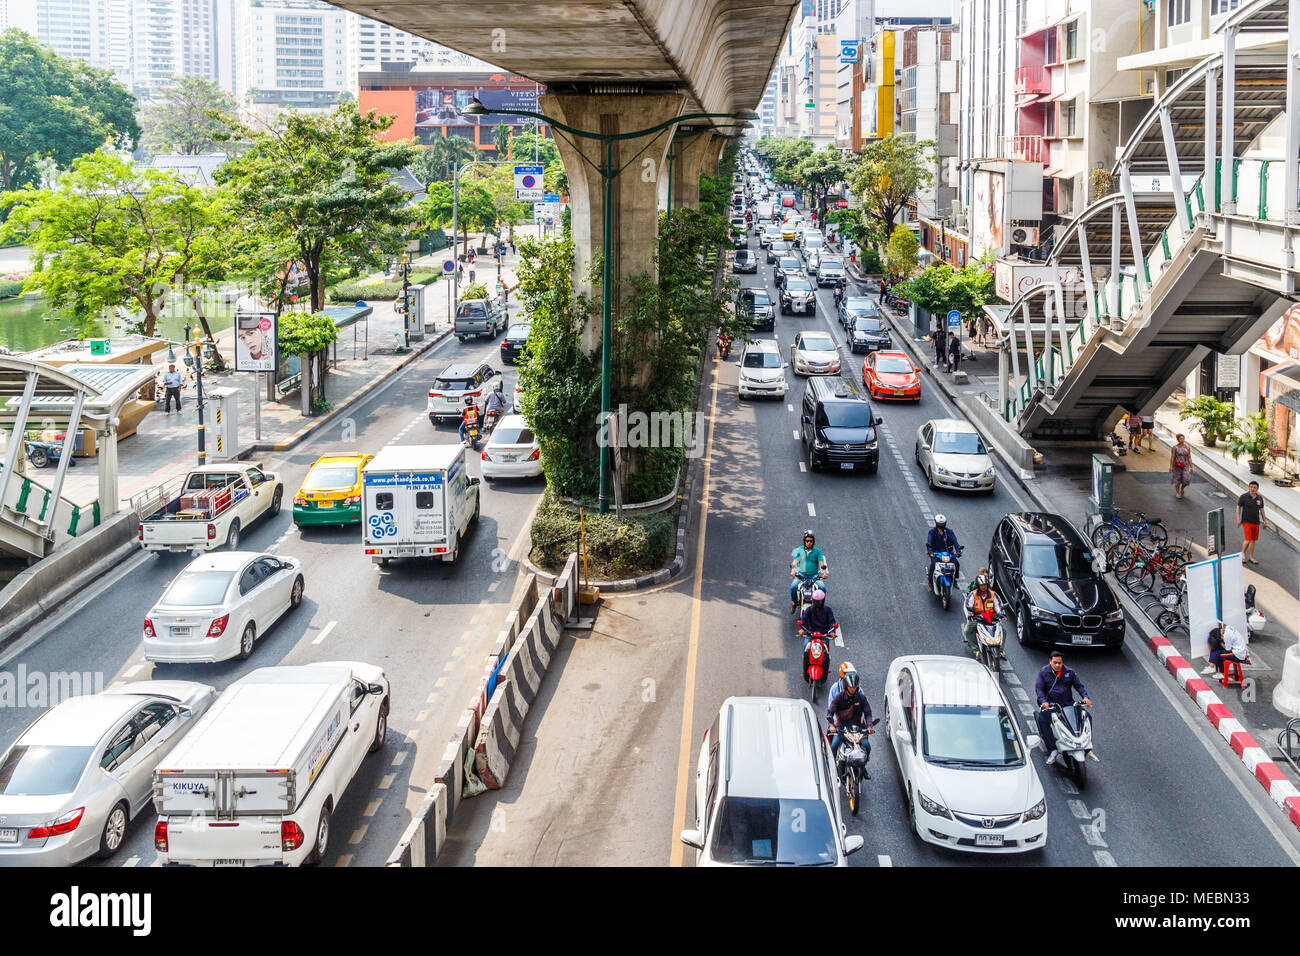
pixel 431 698
pixel 132 861
pixel 1092 835
pixel 839 636
pixel 884 860
pixel 387 781
pixel 357 834
pixel 134 669
pixel 440 682
pixel 1103 858
pixel 422 716
pixel 493 586
pixel 324 633
pixel 812 512
pixel 803 467
pixel 677 855
pixel 371 807
pixel 344 860
pixel 789 407
pixel 410 737
pixel 796 434
pixel 399 758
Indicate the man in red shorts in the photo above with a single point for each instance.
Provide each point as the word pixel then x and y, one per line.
pixel 1250 518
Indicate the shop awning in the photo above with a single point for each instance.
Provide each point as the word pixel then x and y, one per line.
pixel 1282 385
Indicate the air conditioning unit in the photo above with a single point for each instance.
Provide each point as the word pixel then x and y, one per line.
pixel 1024 235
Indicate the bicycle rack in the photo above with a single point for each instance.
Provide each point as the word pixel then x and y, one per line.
pixel 1288 741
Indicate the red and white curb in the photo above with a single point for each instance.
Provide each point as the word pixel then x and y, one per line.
pixel 1270 776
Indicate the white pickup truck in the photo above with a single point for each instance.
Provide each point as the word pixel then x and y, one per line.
pixel 212 506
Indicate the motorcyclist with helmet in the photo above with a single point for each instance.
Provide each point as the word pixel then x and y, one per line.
pixel 940 539
pixel 817 618
pixel 981 601
pixel 807 563
pixel 848 707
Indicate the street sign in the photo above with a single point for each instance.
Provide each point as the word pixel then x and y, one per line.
pixel 547 210
pixel 842 204
pixel 528 184
pixel 810 105
pixel 848 51
pixel 1214 531
pixel 954 323
pixel 448 266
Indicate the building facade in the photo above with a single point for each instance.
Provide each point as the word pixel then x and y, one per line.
pixel 290 53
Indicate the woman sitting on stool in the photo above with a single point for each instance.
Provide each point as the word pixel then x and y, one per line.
pixel 1226 643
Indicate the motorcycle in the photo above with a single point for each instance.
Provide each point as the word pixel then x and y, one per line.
pixel 1255 620
pixel 816 661
pixel 724 345
pixel 490 419
pixel 990 639
pixel 42 453
pixel 473 435
pixel 1072 727
pixel 803 594
pixel 944 575
pixel 851 762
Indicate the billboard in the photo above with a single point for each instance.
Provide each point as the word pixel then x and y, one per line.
pixel 441 107
pixel 255 341
pixel 1011 280
pixel 989 215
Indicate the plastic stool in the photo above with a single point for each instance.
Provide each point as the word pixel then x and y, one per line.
pixel 1232 671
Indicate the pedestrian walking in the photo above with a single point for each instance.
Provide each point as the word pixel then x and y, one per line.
pixel 172 382
pixel 1133 422
pixel 460 271
pixel 512 247
pixel 471 270
pixel 1149 431
pixel 954 352
pixel 940 343
pixel 1180 466
pixel 1250 519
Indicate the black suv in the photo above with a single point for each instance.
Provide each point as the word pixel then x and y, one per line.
pixel 755 307
pixel 1043 567
pixel 837 427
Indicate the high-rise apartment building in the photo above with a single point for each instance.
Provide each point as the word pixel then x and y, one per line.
pixel 18 15
pixel 291 53
pixel 929 109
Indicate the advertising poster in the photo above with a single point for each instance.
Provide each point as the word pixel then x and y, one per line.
pixel 255 342
pixel 441 107
pixel 988 213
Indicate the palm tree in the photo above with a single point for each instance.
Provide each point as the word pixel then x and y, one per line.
pixel 438 161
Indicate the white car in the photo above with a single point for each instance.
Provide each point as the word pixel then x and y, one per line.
pixel 73 780
pixel 219 605
pixel 963 763
pixel 511 451
pixel 814 353
pixel 762 373
pixel 766 792
pixel 952 455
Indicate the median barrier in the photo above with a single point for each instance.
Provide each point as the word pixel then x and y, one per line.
pixel 426 834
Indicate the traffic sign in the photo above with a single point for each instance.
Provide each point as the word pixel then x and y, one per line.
pixel 954 322
pixel 528 183
pixel 448 266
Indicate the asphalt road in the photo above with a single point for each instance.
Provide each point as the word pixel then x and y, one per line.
pixel 428 624
pixel 605 774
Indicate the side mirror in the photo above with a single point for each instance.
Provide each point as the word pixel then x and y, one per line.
pixel 375 688
pixel 473 481
pixel 693 838
pixel 737 364
pixel 879 420
pixel 185 712
pixel 903 734
pixel 852 844
pixel 807 420
pixel 785 364
pixel 1099 563
pixel 1032 741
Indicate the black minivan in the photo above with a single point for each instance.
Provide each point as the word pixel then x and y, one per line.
pixel 837 427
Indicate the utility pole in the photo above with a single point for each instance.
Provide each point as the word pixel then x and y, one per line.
pixel 196 341
pixel 406 297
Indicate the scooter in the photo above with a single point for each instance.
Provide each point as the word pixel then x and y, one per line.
pixel 1255 620
pixel 1072 727
pixel 851 762
pixel 816 661
pixel 473 436
pixel 724 345
pixel 990 639
pixel 944 575
pixel 804 592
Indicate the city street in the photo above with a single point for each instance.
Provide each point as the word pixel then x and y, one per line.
pixel 608 766
pixel 427 624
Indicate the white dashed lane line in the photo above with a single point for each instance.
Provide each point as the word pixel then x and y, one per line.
pixel 812 512
pixel 324 632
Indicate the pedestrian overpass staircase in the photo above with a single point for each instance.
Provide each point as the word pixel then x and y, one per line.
pixel 1169 268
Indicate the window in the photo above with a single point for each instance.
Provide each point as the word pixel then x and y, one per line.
pixel 1070 118
pixel 758 830
pixel 424 500
pixel 1072 40
pixel 971 735
pixel 1219 7
pixel 359 691
pixel 1178 12
pixel 250 579
pixel 268 566
pixel 119 748
pixel 1059 561
pixel 41 771
pixel 198 589
pixel 384 501
pixel 1050 54
pixel 255 477
pixel 1049 121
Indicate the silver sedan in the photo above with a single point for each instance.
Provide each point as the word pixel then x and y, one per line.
pixel 952 455
pixel 75 778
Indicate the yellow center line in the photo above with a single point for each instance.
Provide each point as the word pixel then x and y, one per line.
pixel 692 653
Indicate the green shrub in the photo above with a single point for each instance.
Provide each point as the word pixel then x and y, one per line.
pixel 379 291
pixel 474 290
pixel 9 288
pixel 618 549
pixel 870 262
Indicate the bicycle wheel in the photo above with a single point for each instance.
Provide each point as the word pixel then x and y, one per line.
pixel 1121 557
pixel 1105 537
pixel 1168 620
pixel 1152 533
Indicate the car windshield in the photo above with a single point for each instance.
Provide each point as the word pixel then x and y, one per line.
pixel 773 230
pixel 845 415
pixel 958 443
pixel 42 771
pixel 758 298
pixel 866 323
pixel 831 261
pixel 757 830
pixel 780 246
pixel 323 477
pixel 817 343
pixel 789 262
pixel 1057 561
pixel 452 384
pixel 859 304
pixel 512 436
pixel 971 735
pixel 893 366
pixel 812 242
pixel 198 588
pixel 798 285
pixel 762 360
pixel 517 333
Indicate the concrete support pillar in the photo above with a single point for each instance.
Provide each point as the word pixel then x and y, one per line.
pixel 1292 177
pixel 106 446
pixel 1228 152
pixel 695 156
pixel 635 213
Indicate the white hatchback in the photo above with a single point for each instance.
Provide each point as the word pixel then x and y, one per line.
pixel 962 761
pixel 511 451
pixel 219 605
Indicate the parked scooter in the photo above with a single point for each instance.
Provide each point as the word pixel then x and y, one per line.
pixel 1255 620
pixel 1072 727
pixel 944 575
pixel 851 762
pixel 816 661
pixel 990 640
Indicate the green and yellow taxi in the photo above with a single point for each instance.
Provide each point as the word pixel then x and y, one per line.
pixel 331 492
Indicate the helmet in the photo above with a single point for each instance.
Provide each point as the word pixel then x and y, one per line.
pixel 808 534
pixel 940 521
pixel 845 668
pixel 851 680
pixel 982 581
pixel 819 595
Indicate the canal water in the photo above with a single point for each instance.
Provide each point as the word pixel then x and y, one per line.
pixel 28 323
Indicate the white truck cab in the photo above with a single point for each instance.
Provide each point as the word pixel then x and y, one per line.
pixel 417 501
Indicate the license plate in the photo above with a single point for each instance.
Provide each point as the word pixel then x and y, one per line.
pixel 227 862
pixel 1081 639
pixel 899 391
pixel 968 484
pixel 405 551
pixel 9 835
pixel 324 504
pixel 988 839
pixel 508 457
pixel 846 465
pixel 181 631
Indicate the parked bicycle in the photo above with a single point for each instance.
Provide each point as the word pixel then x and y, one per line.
pixel 1148 532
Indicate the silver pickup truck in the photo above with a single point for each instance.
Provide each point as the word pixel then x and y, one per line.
pixel 479 317
pixel 212 506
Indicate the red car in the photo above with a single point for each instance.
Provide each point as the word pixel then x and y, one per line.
pixel 891 375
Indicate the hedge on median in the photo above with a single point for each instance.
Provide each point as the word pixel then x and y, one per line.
pixel 376 291
pixel 615 549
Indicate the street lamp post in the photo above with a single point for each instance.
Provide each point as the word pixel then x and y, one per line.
pixel 607 175
pixel 196 342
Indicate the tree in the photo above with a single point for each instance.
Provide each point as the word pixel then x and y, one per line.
pixel 900 254
pixel 319 186
pixel 56 108
pixel 942 288
pixel 189 118
pixel 111 234
pixel 783 155
pixel 438 161
pixel 475 208
pixel 501 139
pixel 889 173
pixel 818 172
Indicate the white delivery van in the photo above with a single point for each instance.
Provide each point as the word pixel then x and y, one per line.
pixel 255 781
pixel 765 210
pixel 417 501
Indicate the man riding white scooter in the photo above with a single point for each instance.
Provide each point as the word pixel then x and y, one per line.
pixel 1056 684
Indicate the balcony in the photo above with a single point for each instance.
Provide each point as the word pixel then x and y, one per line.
pixel 1027 149
pixel 1032 79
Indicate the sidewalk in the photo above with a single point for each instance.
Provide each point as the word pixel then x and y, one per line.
pixel 1062 482
pixel 165 445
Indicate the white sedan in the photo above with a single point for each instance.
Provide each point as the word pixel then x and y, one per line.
pixel 962 760
pixel 220 605
pixel 814 353
pixel 512 451
pixel 952 455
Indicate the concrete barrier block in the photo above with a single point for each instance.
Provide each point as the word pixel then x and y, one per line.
pixel 502 725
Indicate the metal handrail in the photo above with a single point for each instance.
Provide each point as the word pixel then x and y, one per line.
pixel 1285 736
